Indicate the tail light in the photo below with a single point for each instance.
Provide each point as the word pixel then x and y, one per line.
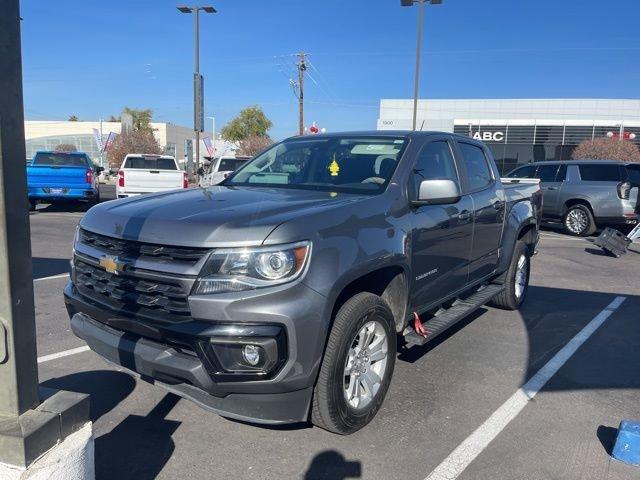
pixel 185 180
pixel 623 190
pixel 89 176
pixel 120 178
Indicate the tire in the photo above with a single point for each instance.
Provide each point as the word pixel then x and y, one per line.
pixel 578 221
pixel 330 408
pixel 32 206
pixel 516 280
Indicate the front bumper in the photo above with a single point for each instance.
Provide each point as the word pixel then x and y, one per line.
pixel 159 353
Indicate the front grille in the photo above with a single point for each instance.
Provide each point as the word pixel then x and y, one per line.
pixel 162 300
pixel 133 249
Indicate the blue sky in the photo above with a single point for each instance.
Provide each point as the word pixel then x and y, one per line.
pixel 91 58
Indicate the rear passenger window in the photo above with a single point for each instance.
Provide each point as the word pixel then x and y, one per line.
pixel 547 173
pixel 435 162
pixel 600 173
pixel 476 165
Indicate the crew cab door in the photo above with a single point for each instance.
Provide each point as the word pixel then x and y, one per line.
pixel 441 234
pixel 482 183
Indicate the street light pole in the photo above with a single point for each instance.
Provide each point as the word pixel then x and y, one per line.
pixel 195 92
pixel 416 86
pixel 198 103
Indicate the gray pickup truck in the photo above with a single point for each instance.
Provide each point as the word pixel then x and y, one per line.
pixel 284 294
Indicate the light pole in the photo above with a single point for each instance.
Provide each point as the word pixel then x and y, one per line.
pixel 409 3
pixel 198 94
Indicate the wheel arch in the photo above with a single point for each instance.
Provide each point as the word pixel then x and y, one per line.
pixel 577 201
pixel 391 283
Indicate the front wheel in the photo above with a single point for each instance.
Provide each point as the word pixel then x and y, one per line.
pixel 357 366
pixel 516 281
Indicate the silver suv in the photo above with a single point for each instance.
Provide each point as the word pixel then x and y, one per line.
pixel 584 194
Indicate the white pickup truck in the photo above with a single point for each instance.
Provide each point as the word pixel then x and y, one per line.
pixel 219 169
pixel 141 173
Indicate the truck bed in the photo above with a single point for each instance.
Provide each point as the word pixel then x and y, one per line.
pixel 517 189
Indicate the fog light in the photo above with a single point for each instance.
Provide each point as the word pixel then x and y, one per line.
pixel 251 354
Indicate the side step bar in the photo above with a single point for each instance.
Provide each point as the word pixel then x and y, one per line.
pixel 445 318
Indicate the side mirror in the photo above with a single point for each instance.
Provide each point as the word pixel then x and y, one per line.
pixel 437 192
pixel 200 171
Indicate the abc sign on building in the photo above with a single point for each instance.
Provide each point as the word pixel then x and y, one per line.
pixel 489 136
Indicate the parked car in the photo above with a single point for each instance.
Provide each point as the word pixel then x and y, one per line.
pixel 141 173
pixel 281 295
pixel 219 169
pixel 585 194
pixel 62 177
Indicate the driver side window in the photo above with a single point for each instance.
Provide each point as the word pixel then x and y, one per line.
pixel 435 162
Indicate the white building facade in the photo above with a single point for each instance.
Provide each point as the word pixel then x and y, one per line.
pixel 46 135
pixel 520 131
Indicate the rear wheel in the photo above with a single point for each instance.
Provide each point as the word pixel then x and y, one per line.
pixel 32 205
pixel 516 280
pixel 357 366
pixel 579 221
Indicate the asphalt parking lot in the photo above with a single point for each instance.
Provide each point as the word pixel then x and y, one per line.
pixel 440 394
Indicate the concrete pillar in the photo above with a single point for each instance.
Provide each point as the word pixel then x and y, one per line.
pixel 32 421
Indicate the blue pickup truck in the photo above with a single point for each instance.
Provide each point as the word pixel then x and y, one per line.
pixel 61 177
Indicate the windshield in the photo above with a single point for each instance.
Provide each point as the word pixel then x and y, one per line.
pixel 61 159
pixel 342 164
pixel 151 163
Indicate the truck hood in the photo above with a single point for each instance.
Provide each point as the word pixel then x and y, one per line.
pixel 209 217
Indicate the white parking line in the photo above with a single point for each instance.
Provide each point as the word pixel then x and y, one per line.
pixel 65 353
pixel 52 277
pixel 458 460
pixel 561 237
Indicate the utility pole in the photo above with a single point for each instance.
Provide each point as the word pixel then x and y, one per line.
pixel 29 424
pixel 302 66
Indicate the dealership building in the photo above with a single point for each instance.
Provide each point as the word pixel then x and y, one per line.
pixel 520 131
pixel 46 135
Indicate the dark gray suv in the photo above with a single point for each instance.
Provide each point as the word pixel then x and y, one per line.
pixel 585 194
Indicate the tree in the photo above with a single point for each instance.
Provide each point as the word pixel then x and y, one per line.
pixel 66 147
pixel 607 149
pixel 73 118
pixel 253 145
pixel 141 118
pixel 250 122
pixel 134 141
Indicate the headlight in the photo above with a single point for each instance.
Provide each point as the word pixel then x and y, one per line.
pixel 238 269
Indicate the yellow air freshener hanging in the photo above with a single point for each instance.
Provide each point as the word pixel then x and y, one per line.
pixel 334 168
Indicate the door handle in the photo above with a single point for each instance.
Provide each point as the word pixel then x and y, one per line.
pixel 551 188
pixel 464 215
pixel 498 205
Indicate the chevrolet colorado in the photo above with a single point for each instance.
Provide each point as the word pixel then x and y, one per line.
pixel 283 294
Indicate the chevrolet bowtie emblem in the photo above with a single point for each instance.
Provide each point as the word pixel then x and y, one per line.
pixel 111 264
